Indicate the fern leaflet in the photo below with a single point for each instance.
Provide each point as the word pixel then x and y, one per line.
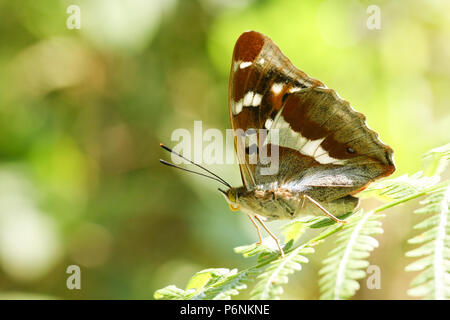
pixel 276 274
pixel 345 263
pixel 434 280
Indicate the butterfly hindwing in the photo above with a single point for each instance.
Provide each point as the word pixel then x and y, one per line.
pixel 325 144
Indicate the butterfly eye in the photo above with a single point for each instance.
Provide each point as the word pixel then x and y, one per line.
pixel 350 150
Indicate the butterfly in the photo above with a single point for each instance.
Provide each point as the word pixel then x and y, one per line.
pixel 326 153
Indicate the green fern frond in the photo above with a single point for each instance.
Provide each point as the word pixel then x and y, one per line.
pixel 434 251
pixel 172 292
pixel 276 274
pixel 219 283
pixel 436 160
pixel 267 249
pixel 346 262
pixel 295 228
pixel 227 286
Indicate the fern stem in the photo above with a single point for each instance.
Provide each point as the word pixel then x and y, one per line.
pixel 397 202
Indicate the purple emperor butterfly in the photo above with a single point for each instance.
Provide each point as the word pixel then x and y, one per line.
pixel 325 151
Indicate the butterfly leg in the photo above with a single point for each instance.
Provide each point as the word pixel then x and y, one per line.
pixel 257 228
pixel 271 234
pixel 328 214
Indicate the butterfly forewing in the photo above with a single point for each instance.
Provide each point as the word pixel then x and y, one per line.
pixel 260 76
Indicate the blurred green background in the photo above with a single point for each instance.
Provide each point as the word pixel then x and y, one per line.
pixel 82 113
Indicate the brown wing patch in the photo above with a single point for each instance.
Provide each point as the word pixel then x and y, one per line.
pixel 248 46
pixel 297 111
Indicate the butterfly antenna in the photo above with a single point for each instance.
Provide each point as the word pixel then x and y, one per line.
pixel 215 176
pixel 191 171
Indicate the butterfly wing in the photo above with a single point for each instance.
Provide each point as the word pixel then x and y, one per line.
pixel 326 148
pixel 260 76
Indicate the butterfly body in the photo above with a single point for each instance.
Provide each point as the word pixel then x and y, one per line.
pixel 283 204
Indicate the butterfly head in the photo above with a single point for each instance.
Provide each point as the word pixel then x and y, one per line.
pixel 232 197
